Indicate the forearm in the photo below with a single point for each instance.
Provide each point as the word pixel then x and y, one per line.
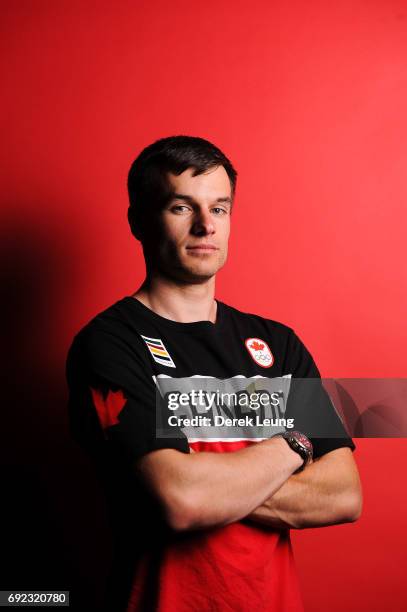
pixel 327 492
pixel 206 489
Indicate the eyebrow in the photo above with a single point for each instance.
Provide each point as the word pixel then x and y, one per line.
pixel 187 198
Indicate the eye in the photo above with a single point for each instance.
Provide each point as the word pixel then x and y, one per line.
pixel 219 210
pixel 179 209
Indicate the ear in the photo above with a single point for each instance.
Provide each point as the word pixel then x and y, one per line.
pixel 135 230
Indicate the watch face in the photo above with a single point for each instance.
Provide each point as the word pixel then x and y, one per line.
pixel 303 441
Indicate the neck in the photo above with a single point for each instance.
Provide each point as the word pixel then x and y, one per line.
pixel 183 303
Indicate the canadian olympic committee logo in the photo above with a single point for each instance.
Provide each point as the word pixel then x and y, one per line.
pixel 260 352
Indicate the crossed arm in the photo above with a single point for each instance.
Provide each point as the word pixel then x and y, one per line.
pixel 327 492
pixel 257 483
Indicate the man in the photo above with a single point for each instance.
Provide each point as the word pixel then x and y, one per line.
pixel 201 521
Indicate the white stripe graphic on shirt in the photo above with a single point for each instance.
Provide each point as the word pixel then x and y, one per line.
pixel 158 351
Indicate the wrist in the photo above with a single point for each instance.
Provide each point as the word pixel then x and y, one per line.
pixel 293 459
pixel 301 445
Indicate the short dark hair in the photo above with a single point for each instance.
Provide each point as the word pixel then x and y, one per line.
pixel 147 182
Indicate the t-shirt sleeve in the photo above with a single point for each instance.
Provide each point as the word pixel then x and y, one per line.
pixel 113 397
pixel 309 403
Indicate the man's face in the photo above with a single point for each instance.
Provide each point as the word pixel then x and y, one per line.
pixel 194 226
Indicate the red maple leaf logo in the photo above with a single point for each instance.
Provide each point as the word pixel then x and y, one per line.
pixel 257 346
pixel 108 408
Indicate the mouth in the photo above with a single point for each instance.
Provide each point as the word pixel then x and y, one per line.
pixel 203 248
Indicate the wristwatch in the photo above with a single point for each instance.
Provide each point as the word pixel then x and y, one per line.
pixel 301 445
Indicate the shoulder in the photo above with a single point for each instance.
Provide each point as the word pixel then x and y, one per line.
pixel 255 320
pixel 293 352
pixel 110 332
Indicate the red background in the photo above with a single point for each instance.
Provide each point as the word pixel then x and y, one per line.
pixel 308 99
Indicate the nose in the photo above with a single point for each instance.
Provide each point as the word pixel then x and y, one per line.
pixel 203 224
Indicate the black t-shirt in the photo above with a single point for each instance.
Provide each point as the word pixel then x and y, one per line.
pixel 122 368
pixel 121 359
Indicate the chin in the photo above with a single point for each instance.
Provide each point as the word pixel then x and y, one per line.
pixel 196 274
pixel 200 275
